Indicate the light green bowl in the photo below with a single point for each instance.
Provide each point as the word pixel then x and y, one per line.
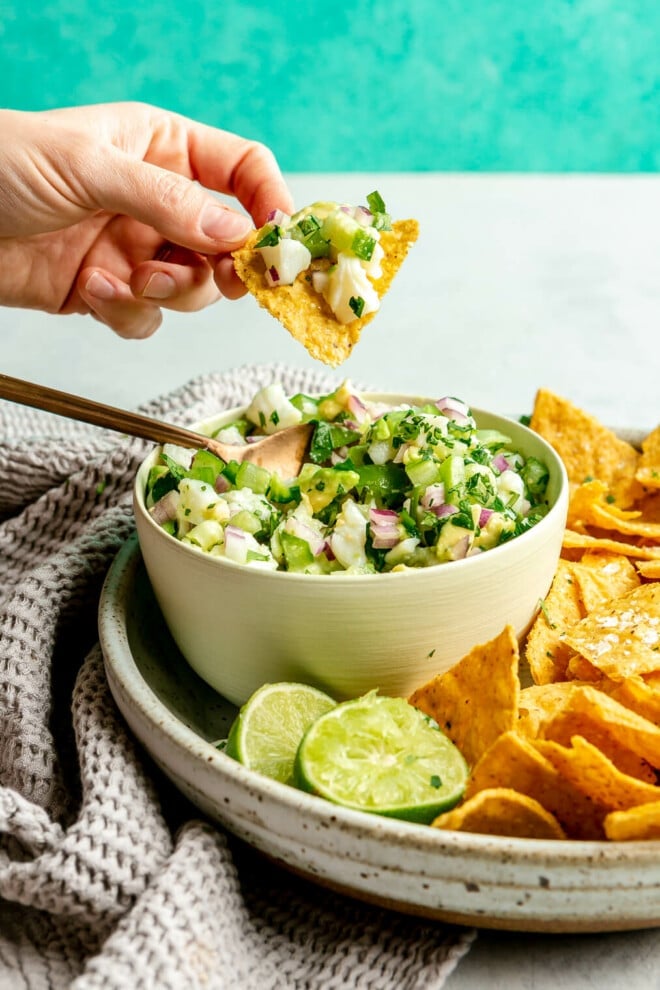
pixel 240 627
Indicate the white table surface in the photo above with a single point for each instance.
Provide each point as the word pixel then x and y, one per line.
pixel 515 283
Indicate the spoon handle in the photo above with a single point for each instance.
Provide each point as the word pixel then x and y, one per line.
pixel 96 413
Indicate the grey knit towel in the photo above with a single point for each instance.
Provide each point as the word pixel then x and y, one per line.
pixel 108 879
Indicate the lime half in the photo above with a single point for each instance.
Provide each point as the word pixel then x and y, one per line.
pixel 267 731
pixel 381 755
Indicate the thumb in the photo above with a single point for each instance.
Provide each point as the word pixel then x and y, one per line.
pixel 177 207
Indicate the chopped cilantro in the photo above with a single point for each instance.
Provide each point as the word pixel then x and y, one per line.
pixel 357 305
pixel 270 238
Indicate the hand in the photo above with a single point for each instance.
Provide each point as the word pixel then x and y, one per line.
pixel 99 213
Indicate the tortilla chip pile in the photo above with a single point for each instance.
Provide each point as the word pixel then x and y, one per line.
pixel 576 753
pixel 304 312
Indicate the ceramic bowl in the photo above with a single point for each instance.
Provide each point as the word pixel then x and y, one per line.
pixel 240 627
pixel 533 885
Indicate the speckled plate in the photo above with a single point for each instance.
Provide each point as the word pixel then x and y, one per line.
pixel 515 884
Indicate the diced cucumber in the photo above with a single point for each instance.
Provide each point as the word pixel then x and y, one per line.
pixel 247 521
pixel 340 228
pixel 492 438
pixel 452 475
pixel 254 477
pixel 206 466
pixel 423 472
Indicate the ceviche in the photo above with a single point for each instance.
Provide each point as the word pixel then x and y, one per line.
pixel 384 488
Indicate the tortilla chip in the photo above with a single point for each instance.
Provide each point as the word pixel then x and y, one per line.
pixel 649 506
pixel 515 763
pixel 546 654
pixel 649 569
pixel 539 703
pixel 477 699
pixel 568 725
pixel 640 822
pixel 589 507
pixel 648 469
pixel 587 448
pixel 635 693
pixel 573 540
pixel 502 811
pixel 304 312
pixel 603 720
pixel 592 773
pixel 580 669
pixel 621 637
pixel 601 576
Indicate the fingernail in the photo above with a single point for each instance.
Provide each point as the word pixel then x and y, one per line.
pixel 99 286
pixel 159 286
pixel 223 225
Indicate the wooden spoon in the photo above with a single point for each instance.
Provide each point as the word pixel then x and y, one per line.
pixel 283 452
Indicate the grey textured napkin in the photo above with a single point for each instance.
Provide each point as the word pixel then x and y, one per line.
pixel 107 877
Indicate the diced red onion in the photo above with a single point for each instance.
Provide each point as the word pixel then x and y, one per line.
pixel 222 484
pixel 363 216
pixel 339 455
pixel 274 274
pixel 378 409
pixel 278 217
pixel 315 541
pixel 442 511
pixel 384 528
pixel 433 497
pixel 235 539
pixel 500 463
pixel 383 515
pixel 165 508
pixel 484 516
pixel 460 549
pixel 384 542
pixel 357 408
pixel 454 409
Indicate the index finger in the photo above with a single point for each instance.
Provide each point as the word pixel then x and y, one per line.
pixel 247 170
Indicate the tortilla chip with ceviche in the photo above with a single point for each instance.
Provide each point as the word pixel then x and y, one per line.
pixel 323 271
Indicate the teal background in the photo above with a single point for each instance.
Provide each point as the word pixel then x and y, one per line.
pixel 489 85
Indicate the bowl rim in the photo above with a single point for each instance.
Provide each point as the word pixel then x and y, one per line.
pixel 560 506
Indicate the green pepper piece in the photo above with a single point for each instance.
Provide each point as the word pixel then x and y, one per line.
pixel 281 491
pixel 327 437
pixel 382 480
pixel 159 482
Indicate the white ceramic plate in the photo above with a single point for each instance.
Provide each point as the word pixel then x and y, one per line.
pixel 516 884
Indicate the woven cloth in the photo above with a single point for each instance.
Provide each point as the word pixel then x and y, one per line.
pixel 108 878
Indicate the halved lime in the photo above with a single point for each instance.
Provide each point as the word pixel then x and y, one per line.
pixel 382 755
pixel 267 731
